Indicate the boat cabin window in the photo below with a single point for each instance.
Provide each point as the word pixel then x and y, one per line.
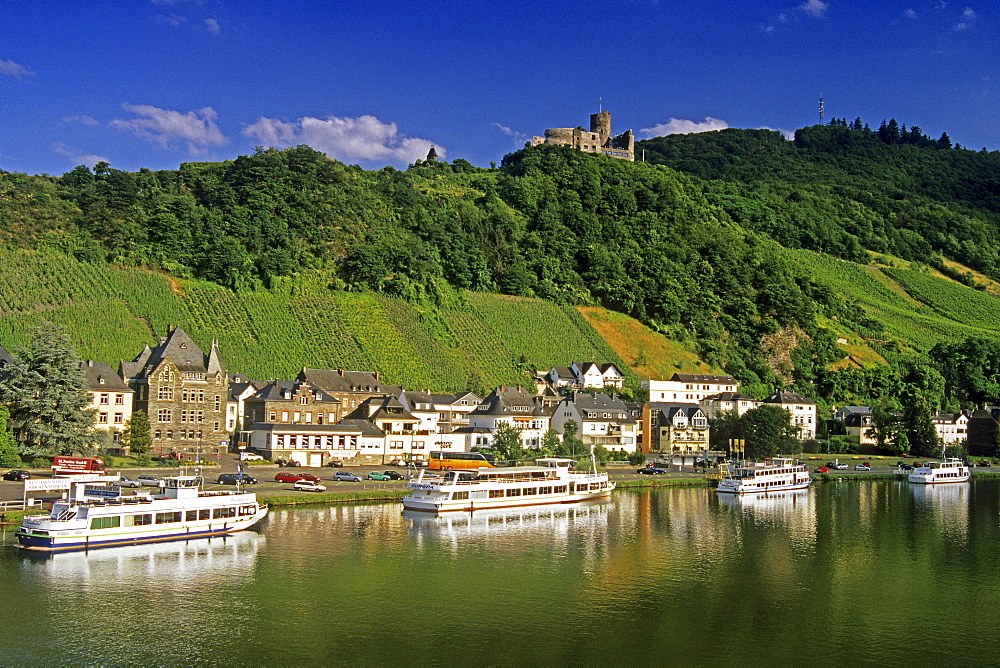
pixel 106 522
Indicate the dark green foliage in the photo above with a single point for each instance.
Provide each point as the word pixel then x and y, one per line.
pixel 507 442
pixel 9 456
pixel 44 391
pixel 768 431
pixel 135 436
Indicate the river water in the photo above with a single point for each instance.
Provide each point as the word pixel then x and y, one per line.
pixel 880 572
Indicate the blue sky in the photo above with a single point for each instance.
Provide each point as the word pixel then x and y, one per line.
pixel 154 83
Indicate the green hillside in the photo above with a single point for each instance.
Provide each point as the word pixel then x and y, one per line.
pixel 477 342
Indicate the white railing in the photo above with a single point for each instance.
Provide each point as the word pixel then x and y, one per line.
pixel 19 505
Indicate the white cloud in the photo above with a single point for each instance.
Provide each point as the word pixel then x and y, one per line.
pixel 680 126
pixel 12 69
pixel 82 119
pixel 909 14
pixel 345 139
pixel 195 129
pixel 814 8
pixel 787 134
pixel 172 20
pixel 212 26
pixel 76 157
pixel 968 16
pixel 518 137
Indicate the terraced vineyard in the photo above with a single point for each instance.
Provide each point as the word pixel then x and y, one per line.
pixel 112 313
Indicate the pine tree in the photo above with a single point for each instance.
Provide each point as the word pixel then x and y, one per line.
pixel 45 392
pixel 135 435
pixel 8 447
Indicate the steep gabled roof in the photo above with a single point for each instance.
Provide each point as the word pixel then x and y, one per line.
pixel 341 380
pixel 669 410
pixel 276 390
pixel 509 401
pixel 101 377
pixel 180 349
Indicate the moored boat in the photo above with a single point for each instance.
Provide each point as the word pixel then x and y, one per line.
pixel 945 471
pixel 771 475
pixel 550 481
pixel 96 514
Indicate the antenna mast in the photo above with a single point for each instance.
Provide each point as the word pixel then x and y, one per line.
pixel 822 111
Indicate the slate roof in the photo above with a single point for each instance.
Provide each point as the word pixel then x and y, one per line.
pixel 275 390
pixel 564 372
pixel 344 426
pixel 101 377
pixel 340 380
pixel 788 398
pixel 728 396
pixel 669 410
pixel 181 350
pixel 510 401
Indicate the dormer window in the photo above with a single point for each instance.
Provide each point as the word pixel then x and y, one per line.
pixel 303 400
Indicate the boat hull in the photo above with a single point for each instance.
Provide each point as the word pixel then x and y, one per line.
pixel 468 505
pixel 56 541
pixel 920 479
pixel 740 489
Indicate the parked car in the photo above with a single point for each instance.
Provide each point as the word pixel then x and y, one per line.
pixel 251 457
pixel 394 475
pixel 286 462
pixel 16 474
pixel 294 477
pixel 309 486
pixel 904 466
pixel 149 480
pixel 233 478
pixel 650 470
pixel 862 467
pixel 377 475
pixel 985 462
pixel 346 476
pixel 125 481
pixel 841 466
pixel 335 463
pixel 823 469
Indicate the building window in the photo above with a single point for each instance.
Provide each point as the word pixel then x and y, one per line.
pixel 273 415
pixel 216 426
pixel 156 434
pixel 170 433
pixel 296 417
pixel 119 418
pixel 200 416
pixel 303 400
pixel 163 415
pixel 165 393
pixel 104 399
pixel 309 418
pixel 102 418
pixel 119 400
pixel 284 416
pixel 218 402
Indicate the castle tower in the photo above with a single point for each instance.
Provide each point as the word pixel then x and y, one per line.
pixel 601 124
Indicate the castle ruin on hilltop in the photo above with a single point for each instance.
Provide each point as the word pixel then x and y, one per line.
pixel 598 140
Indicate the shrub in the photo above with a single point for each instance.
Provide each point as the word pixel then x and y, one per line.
pixel 41 463
pixel 637 458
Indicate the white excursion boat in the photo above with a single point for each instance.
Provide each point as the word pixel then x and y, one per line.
pixel 97 515
pixel 551 481
pixel 771 475
pixel 932 473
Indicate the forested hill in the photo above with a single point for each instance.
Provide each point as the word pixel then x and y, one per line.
pixel 716 258
pixel 844 189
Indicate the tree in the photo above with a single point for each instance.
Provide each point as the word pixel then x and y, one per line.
pixel 507 441
pixel 767 430
pixel 920 432
pixel 886 425
pixel 135 435
pixel 551 442
pixel 8 447
pixel 45 392
pixel 570 443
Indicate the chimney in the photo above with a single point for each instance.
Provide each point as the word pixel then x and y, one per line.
pixel 341 372
pixel 378 375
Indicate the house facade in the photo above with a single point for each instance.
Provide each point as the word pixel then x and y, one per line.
pixel 351 388
pixel 183 392
pixel 802 410
pixel 689 388
pixel 715 405
pixel 602 419
pixel 675 431
pixel 952 428
pixel 110 397
pixel 516 407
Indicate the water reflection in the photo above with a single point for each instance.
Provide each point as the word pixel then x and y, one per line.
pixel 153 564
pixel 945 505
pixel 549 521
